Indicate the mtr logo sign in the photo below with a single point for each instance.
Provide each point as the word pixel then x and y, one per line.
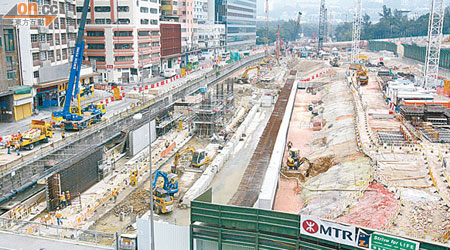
pixel 32 11
pixel 328 230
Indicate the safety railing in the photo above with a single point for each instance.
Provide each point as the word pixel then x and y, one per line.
pixel 57 232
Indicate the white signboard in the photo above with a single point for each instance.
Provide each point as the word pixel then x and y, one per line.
pixel 328 230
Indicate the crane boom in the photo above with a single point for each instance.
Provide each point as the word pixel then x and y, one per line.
pixel 356 35
pixel 74 77
pixel 322 24
pixel 436 20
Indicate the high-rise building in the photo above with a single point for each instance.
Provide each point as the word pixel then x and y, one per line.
pixel 123 39
pixel 44 54
pixel 189 36
pixel 239 17
pixel 170 45
pixel 211 40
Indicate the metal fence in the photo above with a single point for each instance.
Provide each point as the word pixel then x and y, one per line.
pixel 57 232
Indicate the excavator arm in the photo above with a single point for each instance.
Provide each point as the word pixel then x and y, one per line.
pixel 181 153
pixel 310 165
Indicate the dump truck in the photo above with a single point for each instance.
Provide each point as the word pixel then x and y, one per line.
pixel 39 132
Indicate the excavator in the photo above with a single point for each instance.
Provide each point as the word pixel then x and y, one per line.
pixel 361 76
pixel 293 162
pixel 199 158
pixel 163 196
pixel 244 78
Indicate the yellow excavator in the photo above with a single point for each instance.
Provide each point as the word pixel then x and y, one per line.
pixel 199 158
pixel 361 76
pixel 244 78
pixel 294 162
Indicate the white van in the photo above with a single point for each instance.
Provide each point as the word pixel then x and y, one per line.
pixel 168 73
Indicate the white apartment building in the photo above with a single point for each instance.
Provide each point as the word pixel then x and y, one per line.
pixel 211 40
pixel 123 39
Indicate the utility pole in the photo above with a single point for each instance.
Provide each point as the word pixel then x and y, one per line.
pixel 436 20
pixel 266 53
pixel 322 24
pixel 356 35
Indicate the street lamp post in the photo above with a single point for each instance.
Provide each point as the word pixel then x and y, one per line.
pixel 152 224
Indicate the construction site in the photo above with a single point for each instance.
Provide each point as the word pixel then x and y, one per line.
pixel 310 144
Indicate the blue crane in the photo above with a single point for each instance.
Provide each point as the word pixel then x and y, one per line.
pixel 74 118
pixel 170 181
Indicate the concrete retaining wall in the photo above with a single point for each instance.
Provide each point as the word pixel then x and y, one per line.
pixel 219 161
pixel 270 183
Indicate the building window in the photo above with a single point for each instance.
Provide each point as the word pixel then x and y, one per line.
pixel 96 46
pixel 88 21
pixel 8 39
pixel 183 12
pixel 36 74
pixel 49 37
pixel 35 56
pixel 42 37
pixel 155 33
pixel 144 45
pixel 103 21
pixel 144 10
pixel 95 33
pixel 102 9
pixel 144 21
pixel 155 55
pixel 123 33
pixel 97 58
pixel 124 58
pixel 43 56
pixel 80 9
pixel 144 33
pixel 155 44
pixel 34 38
pixel 11 75
pixel 154 22
pixel 154 11
pixel 123 21
pixel 123 46
pixel 51 54
pixel 123 9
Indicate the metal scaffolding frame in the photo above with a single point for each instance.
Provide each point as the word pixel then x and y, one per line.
pixel 356 35
pixel 436 20
pixel 322 24
pixel 214 110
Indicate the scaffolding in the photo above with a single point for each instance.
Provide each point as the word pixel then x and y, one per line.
pixel 215 109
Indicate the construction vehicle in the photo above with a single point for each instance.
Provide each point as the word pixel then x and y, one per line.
pixel 361 76
pixel 294 162
pixel 244 78
pixel 334 61
pixel 199 158
pixel 163 196
pixel 75 118
pixel 133 177
pixel 39 131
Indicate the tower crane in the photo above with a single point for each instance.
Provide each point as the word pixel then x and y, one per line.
pixel 266 53
pixel 436 20
pixel 356 35
pixel 297 24
pixel 322 24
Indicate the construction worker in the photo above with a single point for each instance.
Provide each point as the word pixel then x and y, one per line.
pixel 19 135
pixel 115 194
pixel 63 134
pixel 62 199
pixel 289 145
pixel 69 202
pixel 17 149
pixel 59 217
pixel 167 144
pixel 8 145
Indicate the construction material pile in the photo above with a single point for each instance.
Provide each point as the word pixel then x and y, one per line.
pixel 134 205
pixel 378 202
pixel 328 194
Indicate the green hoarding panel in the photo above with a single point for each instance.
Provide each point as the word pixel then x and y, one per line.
pixel 382 242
